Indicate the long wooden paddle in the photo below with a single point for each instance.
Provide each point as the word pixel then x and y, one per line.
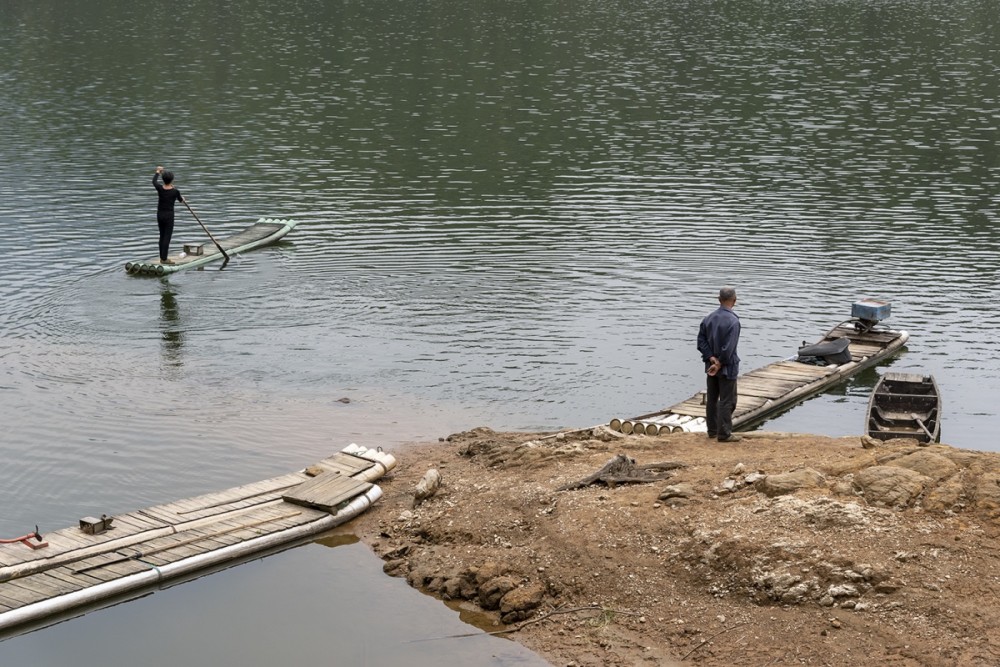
pixel 224 254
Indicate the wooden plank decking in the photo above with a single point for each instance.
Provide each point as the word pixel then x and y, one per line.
pixel 775 387
pixel 326 491
pixel 76 565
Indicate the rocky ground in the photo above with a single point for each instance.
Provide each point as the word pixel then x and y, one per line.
pixel 781 549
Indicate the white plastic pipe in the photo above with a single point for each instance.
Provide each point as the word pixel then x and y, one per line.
pixel 156 574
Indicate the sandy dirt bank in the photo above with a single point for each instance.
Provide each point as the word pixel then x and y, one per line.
pixel 781 549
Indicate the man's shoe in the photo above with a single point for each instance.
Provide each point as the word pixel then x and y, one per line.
pixel 713 435
pixel 731 438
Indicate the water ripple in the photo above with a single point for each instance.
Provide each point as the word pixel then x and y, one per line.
pixel 514 216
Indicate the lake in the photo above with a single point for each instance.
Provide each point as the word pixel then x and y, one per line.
pixel 511 214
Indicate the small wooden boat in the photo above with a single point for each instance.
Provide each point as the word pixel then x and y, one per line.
pixel 905 405
pixel 261 233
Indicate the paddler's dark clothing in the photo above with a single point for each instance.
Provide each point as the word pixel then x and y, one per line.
pixel 165 214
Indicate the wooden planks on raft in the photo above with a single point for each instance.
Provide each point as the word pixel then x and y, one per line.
pixel 192 532
pixel 777 386
pixel 326 491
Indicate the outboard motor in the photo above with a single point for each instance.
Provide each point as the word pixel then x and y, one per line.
pixel 869 312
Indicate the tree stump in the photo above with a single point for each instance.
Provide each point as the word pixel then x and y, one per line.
pixel 623 470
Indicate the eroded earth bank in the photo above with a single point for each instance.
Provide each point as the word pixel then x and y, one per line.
pixel 780 549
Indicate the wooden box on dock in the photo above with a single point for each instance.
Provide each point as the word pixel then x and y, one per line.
pixel 194 249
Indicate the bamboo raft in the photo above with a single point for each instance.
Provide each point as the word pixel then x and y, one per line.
pixel 42 577
pixel 777 386
pixel 263 232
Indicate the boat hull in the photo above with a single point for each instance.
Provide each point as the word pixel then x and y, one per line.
pixel 905 405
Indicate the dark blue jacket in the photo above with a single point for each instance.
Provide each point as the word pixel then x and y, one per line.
pixel 717 337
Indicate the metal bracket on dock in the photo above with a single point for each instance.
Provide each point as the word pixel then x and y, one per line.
pixel 26 540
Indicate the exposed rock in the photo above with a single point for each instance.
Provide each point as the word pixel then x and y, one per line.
pixel 891 486
pixel 848 466
pixel 676 491
pixel 486 571
pixel 886 587
pixel 843 487
pixel 928 464
pixel 427 486
pixel 986 491
pixel 461 586
pixel 949 495
pixel 395 568
pixel 728 485
pixel 869 442
pixel 493 590
pixel 420 576
pixel 824 512
pixel 605 434
pixel 522 599
pixel 842 590
pixel 789 482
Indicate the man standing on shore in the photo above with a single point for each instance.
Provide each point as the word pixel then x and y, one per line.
pixel 718 337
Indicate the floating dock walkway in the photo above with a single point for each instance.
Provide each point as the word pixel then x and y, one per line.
pixel 777 386
pixel 44 576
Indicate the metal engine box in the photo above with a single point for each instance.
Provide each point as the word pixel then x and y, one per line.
pixel 872 310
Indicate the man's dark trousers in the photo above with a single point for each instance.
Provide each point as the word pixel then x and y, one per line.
pixel 720 402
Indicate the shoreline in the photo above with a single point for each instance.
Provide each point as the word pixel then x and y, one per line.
pixel 781 548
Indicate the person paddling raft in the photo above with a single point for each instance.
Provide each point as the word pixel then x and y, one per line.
pixel 168 194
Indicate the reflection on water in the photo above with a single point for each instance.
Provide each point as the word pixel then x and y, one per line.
pixel 173 332
pixel 309 605
pixel 510 215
